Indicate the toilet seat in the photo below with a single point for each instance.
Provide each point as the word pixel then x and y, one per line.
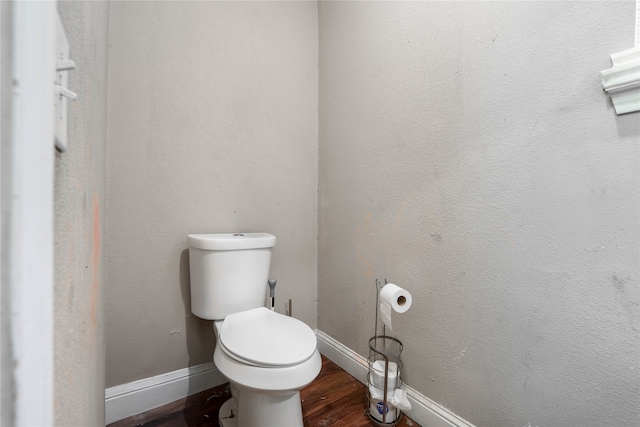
pixel 261 337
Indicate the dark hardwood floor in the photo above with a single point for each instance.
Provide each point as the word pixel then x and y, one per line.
pixel 334 398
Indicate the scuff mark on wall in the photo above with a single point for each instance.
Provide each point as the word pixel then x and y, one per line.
pixel 462 352
pixel 437 237
pixel 627 301
pixel 618 283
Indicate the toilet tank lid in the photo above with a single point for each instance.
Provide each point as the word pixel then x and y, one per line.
pixel 231 241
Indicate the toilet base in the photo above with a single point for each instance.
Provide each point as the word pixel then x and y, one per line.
pixel 262 410
pixel 227 415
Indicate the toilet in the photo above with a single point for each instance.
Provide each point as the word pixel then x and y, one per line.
pixel 266 356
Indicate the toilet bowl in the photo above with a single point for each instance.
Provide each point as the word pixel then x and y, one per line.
pixel 268 358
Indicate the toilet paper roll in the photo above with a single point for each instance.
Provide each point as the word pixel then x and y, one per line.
pixel 377 394
pixel 376 408
pixel 377 375
pixel 393 297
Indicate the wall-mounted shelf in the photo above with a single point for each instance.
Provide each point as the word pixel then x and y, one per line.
pixel 622 81
pixel 63 65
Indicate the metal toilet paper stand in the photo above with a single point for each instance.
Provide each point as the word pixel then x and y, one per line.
pixel 385 366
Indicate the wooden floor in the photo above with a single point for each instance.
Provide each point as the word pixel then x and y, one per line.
pixel 334 398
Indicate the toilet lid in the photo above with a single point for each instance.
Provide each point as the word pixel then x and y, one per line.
pixel 264 337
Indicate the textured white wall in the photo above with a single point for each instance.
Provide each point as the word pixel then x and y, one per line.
pixel 79 223
pixel 212 128
pixel 468 154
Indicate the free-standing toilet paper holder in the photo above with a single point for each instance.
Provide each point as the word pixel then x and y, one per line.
pixel 383 377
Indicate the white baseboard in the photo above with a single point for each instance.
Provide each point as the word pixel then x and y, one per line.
pixel 143 395
pixel 424 411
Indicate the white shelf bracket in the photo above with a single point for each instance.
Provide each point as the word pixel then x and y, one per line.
pixel 62 94
pixel 622 80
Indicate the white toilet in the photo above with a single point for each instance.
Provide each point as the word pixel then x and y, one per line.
pixel 267 357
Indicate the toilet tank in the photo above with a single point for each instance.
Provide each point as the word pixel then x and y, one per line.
pixel 229 272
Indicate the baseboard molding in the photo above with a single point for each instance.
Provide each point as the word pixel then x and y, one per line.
pixel 143 395
pixel 423 410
